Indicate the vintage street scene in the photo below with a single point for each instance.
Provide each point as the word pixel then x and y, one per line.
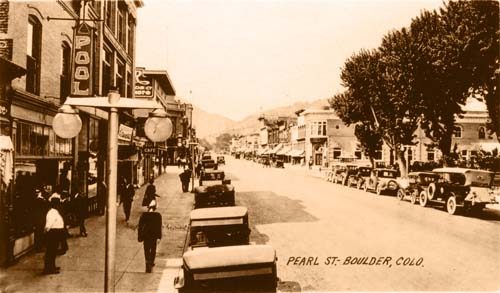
pixel 249 146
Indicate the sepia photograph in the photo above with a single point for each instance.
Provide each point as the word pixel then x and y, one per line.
pixel 285 146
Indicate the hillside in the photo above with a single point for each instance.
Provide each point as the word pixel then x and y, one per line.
pixel 210 125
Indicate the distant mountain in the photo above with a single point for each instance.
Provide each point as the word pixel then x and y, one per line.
pixel 210 125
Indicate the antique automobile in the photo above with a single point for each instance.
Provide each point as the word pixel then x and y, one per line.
pixel 279 163
pixel 221 160
pixel 214 190
pixel 415 184
pixel 357 178
pixel 382 180
pixel 340 172
pixel 208 164
pixel 219 252
pixel 467 189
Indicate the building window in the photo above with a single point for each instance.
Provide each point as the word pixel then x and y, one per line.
pixel 410 155
pixel 481 132
pixel 457 131
pixel 430 155
pixel 65 80
pixel 130 39
pixel 337 152
pixel 378 155
pixel 464 154
pixel 120 77
pixel 121 25
pixel 318 128
pixel 129 84
pixel 33 55
pixel 357 154
pixel 110 15
pixel 107 73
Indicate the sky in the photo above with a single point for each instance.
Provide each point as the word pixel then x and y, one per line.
pixel 236 58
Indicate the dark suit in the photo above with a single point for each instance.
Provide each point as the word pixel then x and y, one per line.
pixel 80 207
pixel 149 230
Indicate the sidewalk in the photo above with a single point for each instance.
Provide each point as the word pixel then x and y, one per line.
pixel 82 267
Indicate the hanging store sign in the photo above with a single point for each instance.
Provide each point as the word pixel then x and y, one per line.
pixel 143 84
pixel 83 48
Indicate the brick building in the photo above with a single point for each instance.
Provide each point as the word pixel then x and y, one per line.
pixel 38 38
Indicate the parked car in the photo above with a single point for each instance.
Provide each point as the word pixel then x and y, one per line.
pixel 221 160
pixel 382 180
pixel 214 190
pixel 219 251
pixel 357 178
pixel 415 184
pixel 343 171
pixel 208 164
pixel 460 188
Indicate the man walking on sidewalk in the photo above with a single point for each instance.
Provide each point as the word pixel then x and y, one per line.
pixel 149 231
pixel 54 227
pixel 127 193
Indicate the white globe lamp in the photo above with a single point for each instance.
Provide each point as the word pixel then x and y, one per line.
pixel 158 126
pixel 67 123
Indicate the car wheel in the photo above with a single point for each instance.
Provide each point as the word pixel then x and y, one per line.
pixel 451 205
pixel 413 198
pixel 358 185
pixel 365 187
pixel 378 190
pixel 422 198
pixel 401 194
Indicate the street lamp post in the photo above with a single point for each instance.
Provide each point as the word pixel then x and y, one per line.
pixel 67 124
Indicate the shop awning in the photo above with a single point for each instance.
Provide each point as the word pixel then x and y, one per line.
pixel 276 149
pixel 6 143
pixel 263 151
pixel 283 152
pixel 296 153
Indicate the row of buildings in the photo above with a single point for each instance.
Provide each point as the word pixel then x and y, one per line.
pixel 50 50
pixel 318 136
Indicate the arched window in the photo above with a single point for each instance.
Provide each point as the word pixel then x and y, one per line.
pixel 481 132
pixel 33 55
pixel 457 131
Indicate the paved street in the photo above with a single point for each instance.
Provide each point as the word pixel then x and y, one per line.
pixel 308 217
pixel 309 222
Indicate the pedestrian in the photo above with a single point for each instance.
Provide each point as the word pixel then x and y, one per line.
pixel 310 163
pixel 40 212
pixel 54 228
pixel 185 178
pixel 65 212
pixel 127 193
pixel 150 193
pixel 80 207
pixel 101 196
pixel 149 232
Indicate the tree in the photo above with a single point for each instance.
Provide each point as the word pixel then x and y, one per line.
pixel 369 139
pixel 204 143
pixel 223 141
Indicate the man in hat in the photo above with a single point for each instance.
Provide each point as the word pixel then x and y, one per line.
pixel 40 211
pixel 149 231
pixel 54 228
pixel 150 193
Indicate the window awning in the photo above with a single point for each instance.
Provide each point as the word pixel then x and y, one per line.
pixel 486 146
pixel 263 151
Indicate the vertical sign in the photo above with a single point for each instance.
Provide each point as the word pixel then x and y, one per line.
pixel 81 73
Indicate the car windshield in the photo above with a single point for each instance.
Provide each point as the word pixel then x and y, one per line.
pixel 387 174
pixel 213 176
pixel 214 236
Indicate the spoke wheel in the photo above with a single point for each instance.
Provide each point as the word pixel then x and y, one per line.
pixel 401 194
pixel 423 198
pixel 413 198
pixel 451 205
